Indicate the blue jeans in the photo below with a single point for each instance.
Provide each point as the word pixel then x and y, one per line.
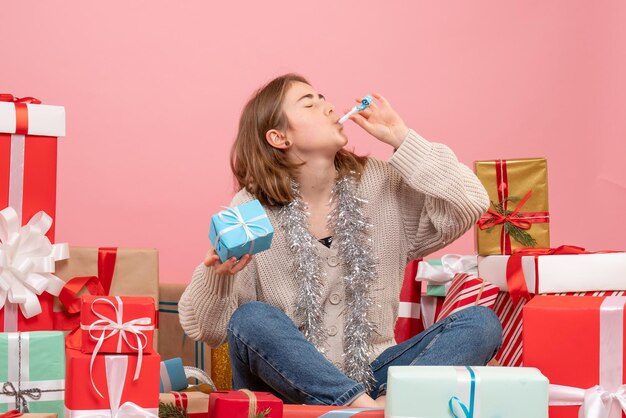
pixel 269 354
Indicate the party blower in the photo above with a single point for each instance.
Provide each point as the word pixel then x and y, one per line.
pixel 365 103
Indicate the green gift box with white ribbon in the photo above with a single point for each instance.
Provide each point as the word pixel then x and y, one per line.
pixel 32 372
pixel 240 230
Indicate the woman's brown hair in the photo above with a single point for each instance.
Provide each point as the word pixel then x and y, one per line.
pixel 262 169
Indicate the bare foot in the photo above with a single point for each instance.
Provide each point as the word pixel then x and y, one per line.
pixel 364 401
pixel 380 401
pixel 493 362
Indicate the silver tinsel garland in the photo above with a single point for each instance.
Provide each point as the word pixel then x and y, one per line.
pixel 352 238
pixel 307 264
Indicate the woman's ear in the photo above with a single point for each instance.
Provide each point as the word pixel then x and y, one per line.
pixel 277 139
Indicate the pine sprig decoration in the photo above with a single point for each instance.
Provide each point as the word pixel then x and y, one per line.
pixel 518 234
pixel 168 410
pixel 263 414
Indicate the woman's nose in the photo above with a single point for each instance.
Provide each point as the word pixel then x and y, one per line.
pixel 330 108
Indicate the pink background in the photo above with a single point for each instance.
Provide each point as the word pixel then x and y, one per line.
pixel 153 91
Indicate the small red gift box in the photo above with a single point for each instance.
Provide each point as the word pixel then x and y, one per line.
pixel 237 404
pixel 117 324
pixel 113 383
pixel 578 344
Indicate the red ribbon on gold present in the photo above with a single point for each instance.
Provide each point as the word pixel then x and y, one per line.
pixel 516 217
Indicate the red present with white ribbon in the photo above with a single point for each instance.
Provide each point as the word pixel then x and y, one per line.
pixel 28 156
pixel 578 343
pixel 510 314
pixel 111 391
pixel 512 276
pixel 468 290
pixel 409 322
pixel 117 324
pixel 27 266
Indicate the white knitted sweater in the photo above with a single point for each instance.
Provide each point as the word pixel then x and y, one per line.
pixel 418 202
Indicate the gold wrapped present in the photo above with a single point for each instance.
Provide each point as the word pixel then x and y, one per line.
pixel 221 372
pixel 518 216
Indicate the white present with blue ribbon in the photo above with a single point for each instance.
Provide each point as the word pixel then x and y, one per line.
pixel 240 230
pixel 466 392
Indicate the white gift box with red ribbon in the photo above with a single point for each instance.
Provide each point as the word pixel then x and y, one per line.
pixel 560 273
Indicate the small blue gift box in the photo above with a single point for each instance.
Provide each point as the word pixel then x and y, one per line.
pixel 173 376
pixel 243 229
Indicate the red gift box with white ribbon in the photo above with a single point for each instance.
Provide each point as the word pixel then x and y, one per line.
pixel 27 267
pixel 28 156
pixel 28 172
pixel 578 344
pixel 107 386
pixel 117 324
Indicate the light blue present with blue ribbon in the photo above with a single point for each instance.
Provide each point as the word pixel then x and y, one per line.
pixel 240 230
pixel 466 392
pixel 173 376
pixel 348 412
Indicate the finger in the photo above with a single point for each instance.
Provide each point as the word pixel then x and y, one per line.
pixel 211 259
pixel 243 262
pixel 380 98
pixel 225 267
pixel 366 113
pixel 362 122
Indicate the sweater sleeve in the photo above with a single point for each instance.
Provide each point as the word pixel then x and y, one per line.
pixel 440 197
pixel 210 299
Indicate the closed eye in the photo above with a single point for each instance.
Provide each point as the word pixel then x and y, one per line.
pixel 310 96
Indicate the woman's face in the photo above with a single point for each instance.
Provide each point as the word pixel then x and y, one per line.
pixel 313 127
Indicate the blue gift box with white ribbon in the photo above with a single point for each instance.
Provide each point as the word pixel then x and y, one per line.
pixel 240 230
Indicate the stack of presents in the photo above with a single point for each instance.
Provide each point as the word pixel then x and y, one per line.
pixel 79 327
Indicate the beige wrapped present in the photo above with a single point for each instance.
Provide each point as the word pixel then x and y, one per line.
pixel 175 343
pixel 117 271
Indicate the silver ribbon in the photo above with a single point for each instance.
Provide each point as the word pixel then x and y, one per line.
pixel 18 374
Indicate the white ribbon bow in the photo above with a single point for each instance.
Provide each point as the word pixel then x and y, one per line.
pixel 451 264
pixel 235 220
pixel 27 261
pixel 117 326
pixel 596 402
pixel 116 367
